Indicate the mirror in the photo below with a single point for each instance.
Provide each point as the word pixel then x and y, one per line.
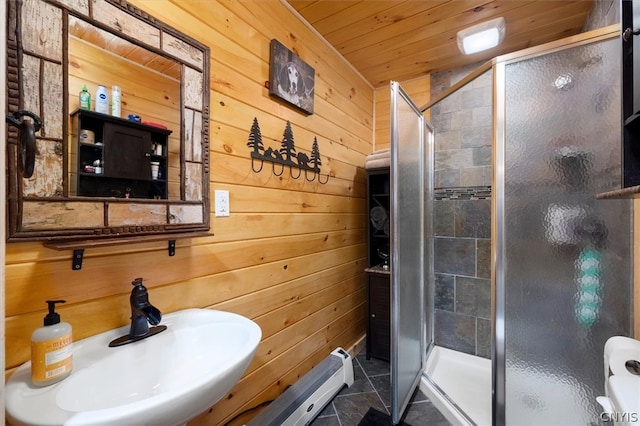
pixel 149 87
pixel 163 76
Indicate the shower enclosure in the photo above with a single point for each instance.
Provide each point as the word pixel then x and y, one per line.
pixel 530 274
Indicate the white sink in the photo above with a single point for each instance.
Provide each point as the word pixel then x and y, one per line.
pixel 166 379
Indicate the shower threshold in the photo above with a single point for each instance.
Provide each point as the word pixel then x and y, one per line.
pixel 459 385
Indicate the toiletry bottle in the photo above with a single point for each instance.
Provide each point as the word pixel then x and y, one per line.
pixel 102 100
pixel 85 98
pixel 116 96
pixel 51 349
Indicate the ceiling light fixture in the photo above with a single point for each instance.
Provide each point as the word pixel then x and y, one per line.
pixel 482 36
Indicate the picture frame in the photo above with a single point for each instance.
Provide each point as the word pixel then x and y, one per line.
pixel 290 78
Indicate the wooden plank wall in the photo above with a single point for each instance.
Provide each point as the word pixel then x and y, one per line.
pixel 418 89
pixel 292 253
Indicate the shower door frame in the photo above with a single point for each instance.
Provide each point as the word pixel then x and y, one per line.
pixel 408 324
pixel 498 251
pixel 498 231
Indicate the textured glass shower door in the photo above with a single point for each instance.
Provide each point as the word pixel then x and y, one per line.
pixel 563 257
pixel 411 141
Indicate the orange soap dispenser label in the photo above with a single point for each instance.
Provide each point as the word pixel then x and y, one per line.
pixel 51 358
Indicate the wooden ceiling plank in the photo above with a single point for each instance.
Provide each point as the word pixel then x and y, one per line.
pixel 374 17
pixel 444 61
pixel 524 17
pixel 441 31
pixel 410 38
pixel 303 6
pixel 318 11
pixel 430 21
pixel 418 27
pixel 439 58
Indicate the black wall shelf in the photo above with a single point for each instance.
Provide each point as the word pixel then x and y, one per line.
pixel 124 150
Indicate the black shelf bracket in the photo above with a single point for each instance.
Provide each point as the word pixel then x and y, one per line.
pixel 78 246
pixel 76 261
pixel 78 254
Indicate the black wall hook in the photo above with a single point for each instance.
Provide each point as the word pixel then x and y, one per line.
pixel 27 130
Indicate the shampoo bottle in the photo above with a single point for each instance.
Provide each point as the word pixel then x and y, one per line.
pixel 51 349
pixel 102 100
pixel 116 96
pixel 85 98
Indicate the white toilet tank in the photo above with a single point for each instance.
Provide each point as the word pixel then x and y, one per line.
pixel 621 405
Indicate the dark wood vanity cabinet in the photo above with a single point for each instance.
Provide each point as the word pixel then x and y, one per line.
pixel 379 322
pixel 118 162
pixel 127 152
pixel 378 277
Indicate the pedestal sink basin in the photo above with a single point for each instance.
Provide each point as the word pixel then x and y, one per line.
pixel 166 379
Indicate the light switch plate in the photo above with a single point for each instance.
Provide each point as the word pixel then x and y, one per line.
pixel 222 203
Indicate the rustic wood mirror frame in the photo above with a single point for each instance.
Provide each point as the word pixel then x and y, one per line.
pixel 39 208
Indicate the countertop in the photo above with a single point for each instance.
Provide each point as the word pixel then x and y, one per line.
pixel 630 192
pixel 378 270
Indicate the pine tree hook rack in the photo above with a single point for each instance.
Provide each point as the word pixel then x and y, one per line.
pixel 285 156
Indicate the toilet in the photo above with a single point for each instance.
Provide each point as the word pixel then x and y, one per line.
pixel 621 403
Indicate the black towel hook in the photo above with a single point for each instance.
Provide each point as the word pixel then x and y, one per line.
pixel 27 147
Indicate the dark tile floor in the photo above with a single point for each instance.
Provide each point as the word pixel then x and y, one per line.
pixel 372 388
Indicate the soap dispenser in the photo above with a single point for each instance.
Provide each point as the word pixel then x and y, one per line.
pixel 85 98
pixel 51 349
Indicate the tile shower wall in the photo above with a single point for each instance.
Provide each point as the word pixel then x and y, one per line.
pixel 462 220
pixel 463 272
pixel 463 128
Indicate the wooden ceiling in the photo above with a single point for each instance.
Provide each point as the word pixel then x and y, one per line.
pixel 401 40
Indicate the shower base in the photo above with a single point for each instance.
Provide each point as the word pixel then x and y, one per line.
pixel 459 385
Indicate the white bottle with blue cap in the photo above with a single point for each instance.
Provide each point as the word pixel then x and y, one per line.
pixel 102 100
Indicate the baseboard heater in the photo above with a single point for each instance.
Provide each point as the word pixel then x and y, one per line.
pixel 306 398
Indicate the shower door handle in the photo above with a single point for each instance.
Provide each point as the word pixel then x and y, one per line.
pixel 628 33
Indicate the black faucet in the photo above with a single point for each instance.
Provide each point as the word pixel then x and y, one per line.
pixel 143 313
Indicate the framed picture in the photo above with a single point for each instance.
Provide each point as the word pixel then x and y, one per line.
pixel 290 78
